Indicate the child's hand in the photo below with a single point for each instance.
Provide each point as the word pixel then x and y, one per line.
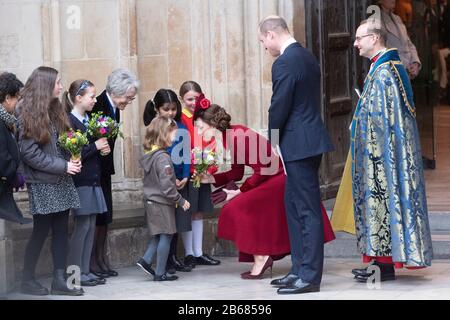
pixel 182 183
pixel 186 205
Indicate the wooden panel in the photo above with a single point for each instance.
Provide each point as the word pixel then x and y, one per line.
pixel 331 25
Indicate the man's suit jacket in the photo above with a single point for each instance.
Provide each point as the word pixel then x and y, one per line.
pixel 103 105
pixel 295 106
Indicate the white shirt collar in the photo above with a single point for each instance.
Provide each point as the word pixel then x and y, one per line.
pixel 111 102
pixel 287 44
pixel 79 116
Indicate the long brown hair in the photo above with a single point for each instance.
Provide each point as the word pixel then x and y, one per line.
pixel 38 109
pixel 158 133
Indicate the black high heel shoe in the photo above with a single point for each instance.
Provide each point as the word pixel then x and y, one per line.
pixel 267 265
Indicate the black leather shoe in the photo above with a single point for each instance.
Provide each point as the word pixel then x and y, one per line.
pixel 285 281
pixel 387 272
pixel 299 287
pixel 357 272
pixel 89 283
pixel 145 266
pixel 190 261
pixel 207 260
pixel 112 273
pixel 99 274
pixel 171 269
pixel 177 265
pixel 384 276
pixel 165 277
pixel 34 288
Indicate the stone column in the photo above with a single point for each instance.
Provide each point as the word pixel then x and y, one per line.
pixel 6 258
pixel 132 120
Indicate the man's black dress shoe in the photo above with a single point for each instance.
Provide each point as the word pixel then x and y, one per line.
pixel 285 281
pixel 206 260
pixel 299 287
pixel 384 276
pixel 387 272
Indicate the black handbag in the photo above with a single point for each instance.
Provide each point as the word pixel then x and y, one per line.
pixel 8 206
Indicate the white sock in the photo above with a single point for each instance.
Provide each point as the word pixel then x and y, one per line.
pixel 197 235
pixel 187 243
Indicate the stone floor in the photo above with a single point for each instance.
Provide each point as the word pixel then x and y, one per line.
pixel 223 283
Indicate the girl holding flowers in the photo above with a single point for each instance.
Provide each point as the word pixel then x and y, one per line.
pixel 47 170
pixel 80 99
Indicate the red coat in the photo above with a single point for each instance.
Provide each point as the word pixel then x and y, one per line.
pixel 256 220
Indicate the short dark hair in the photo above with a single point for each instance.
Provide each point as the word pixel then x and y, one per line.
pixel 273 23
pixel 375 26
pixel 9 85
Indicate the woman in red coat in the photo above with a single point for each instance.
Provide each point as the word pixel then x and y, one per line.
pixel 255 219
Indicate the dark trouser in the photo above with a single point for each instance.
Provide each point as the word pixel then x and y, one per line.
pixel 304 218
pixel 173 245
pixel 58 222
pixel 81 242
pixel 107 217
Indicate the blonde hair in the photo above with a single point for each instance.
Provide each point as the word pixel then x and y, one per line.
pixel 158 133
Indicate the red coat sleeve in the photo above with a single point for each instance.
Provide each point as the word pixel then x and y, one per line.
pixel 237 168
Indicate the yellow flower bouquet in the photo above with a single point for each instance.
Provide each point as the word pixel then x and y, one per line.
pixel 73 142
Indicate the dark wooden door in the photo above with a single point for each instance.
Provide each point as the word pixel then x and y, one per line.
pixel 330 29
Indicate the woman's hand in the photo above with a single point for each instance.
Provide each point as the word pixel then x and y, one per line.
pixel 73 167
pixel 181 184
pixel 101 144
pixel 231 194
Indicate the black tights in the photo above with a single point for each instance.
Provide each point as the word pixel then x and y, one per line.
pixel 173 245
pixel 99 261
pixel 42 223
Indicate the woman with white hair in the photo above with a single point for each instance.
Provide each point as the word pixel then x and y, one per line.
pixel 121 90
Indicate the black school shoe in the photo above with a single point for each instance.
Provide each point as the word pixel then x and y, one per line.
pixel 207 260
pixel 190 261
pixel 145 267
pixel 165 277
pixel 174 264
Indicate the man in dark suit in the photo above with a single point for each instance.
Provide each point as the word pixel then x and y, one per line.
pixel 121 90
pixel 294 118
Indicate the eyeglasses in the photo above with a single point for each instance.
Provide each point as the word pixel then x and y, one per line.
pixel 129 99
pixel 358 39
pixel 83 86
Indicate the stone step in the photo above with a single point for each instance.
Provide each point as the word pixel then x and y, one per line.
pixel 128 239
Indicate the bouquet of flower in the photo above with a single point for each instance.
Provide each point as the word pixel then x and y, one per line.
pixel 203 161
pixel 100 126
pixel 73 142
